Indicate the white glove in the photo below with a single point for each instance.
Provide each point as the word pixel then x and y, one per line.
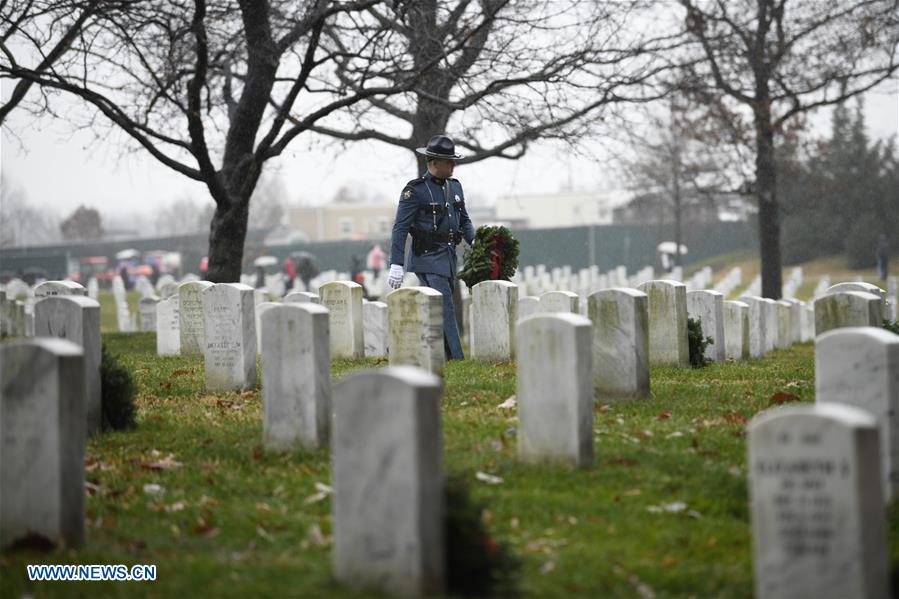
pixel 395 279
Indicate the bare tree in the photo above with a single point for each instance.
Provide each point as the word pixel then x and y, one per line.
pixel 215 88
pixel 686 152
pixel 528 70
pixel 62 21
pixel 84 224
pixel 22 223
pixel 779 59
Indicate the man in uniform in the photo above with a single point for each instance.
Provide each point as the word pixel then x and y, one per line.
pixel 432 210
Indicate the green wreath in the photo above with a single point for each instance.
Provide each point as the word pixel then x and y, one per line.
pixel 493 256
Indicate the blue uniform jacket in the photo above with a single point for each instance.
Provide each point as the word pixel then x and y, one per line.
pixel 415 210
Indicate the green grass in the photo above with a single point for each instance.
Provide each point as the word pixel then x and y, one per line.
pixel 233 522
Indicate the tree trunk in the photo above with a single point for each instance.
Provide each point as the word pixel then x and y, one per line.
pixel 769 213
pixel 227 234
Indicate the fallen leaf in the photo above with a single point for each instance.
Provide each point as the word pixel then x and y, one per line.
pixel 547 567
pixel 644 590
pixel 315 535
pixel 621 462
pixel 154 489
pixel 602 407
pixel 671 508
pixel 175 507
pixel 179 372
pixel 663 416
pixel 264 534
pixel 205 530
pixel 735 417
pixel 257 453
pixel 490 479
pixel 323 492
pixel 164 464
pixel 780 398
pixel 509 404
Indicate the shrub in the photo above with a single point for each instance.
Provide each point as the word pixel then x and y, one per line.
pixel 117 394
pixel 892 327
pixel 477 565
pixel 698 342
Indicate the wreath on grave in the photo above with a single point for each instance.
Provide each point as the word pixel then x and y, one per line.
pixel 493 256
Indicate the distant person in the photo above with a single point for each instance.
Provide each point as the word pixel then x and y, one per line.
pixel 260 277
pixel 307 268
pixel 882 254
pixel 290 271
pixel 356 273
pixel 123 272
pixel 432 210
pixel 375 259
pixel 204 267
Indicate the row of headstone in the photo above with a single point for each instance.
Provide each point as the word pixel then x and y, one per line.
pixel 125 321
pixel 729 281
pixel 792 284
pixel 818 505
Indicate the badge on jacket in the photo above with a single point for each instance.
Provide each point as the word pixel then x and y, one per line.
pixel 407 194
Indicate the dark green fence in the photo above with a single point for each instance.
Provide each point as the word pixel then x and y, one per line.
pixel 606 246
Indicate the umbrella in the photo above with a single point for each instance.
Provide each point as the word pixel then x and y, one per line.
pixel 127 254
pixel 265 261
pixel 670 247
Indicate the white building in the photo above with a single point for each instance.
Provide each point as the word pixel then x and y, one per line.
pixel 562 209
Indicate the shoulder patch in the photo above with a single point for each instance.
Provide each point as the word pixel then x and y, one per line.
pixel 407 193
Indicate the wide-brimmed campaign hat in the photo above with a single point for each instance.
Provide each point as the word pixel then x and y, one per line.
pixel 440 146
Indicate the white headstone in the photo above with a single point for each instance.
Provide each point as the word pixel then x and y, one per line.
pixel 191 314
pixel 388 503
pixel 415 328
pixel 847 309
pixel 494 310
pixel 771 330
pixel 857 286
pixel 344 301
pixel 783 310
pixel 736 330
pixel 528 305
pixel 93 288
pixel 51 288
pixel 554 391
pixel 76 318
pixel 667 322
pixel 296 376
pixel 758 325
pixel 301 297
pixel 168 327
pixel 708 308
pixel 818 522
pixel 42 435
pixel 859 366
pixel 230 351
pixel 170 289
pixel 258 311
pixel 620 345
pixel 146 307
pixel 558 301
pixel 374 325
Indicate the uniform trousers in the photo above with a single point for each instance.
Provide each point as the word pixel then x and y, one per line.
pixel 452 345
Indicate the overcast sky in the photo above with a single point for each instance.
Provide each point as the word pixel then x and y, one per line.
pixel 62 170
